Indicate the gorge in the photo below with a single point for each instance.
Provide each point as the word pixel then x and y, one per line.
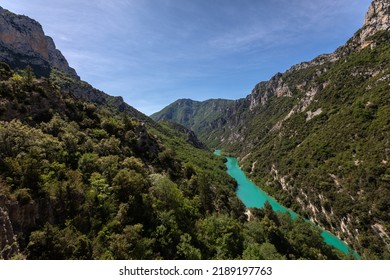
pixel 315 137
pixel 83 175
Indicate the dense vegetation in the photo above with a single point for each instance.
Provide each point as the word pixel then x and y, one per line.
pixel 81 180
pixel 322 149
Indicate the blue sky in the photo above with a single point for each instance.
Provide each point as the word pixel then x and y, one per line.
pixel 153 52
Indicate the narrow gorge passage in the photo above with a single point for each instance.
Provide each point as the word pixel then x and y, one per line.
pixel 254 197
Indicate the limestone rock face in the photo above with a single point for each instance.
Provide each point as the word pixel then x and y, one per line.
pixel 23 42
pixel 377 18
pixel 265 90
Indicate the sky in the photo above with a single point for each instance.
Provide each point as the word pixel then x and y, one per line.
pixel 153 52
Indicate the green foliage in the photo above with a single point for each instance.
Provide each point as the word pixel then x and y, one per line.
pixel 23 196
pixel 264 251
pixel 50 243
pixel 5 71
pixel 130 245
pixel 28 76
pixel 185 250
pixel 221 237
pixel 127 183
pixel 88 163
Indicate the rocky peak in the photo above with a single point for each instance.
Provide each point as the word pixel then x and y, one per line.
pixel 377 19
pixel 23 42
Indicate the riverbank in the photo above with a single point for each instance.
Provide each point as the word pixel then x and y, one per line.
pixel 254 197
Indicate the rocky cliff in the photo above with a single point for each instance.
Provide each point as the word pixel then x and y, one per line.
pixel 8 240
pixel 23 42
pixel 377 18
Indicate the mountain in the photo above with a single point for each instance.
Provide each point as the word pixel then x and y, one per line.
pixel 23 42
pixel 316 136
pixel 84 175
pixel 200 117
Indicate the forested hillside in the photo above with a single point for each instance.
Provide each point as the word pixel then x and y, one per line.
pixel 80 180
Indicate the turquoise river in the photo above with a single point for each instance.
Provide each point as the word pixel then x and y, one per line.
pixel 254 197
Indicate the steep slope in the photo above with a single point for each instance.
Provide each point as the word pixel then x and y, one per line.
pixel 328 154
pixel 316 136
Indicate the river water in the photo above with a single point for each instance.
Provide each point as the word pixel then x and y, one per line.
pixel 254 197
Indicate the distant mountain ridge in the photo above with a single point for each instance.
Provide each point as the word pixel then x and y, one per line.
pixel 201 117
pixel 314 136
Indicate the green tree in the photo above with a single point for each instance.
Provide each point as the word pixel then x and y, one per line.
pixel 88 163
pixel 185 250
pixel 28 76
pixel 221 237
pixel 128 182
pixel 50 243
pixel 16 83
pixel 264 251
pixel 99 184
pixel 131 245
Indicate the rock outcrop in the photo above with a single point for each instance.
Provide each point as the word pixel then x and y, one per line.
pixel 8 240
pixel 23 42
pixel 377 19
